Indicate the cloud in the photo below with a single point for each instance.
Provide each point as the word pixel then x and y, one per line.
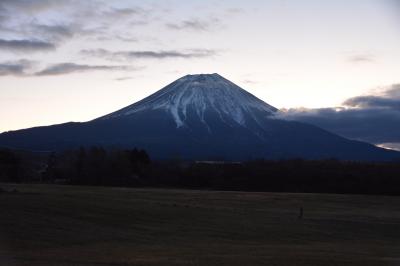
pixel 15 68
pixel 58 20
pixel 388 98
pixel 31 6
pixel 119 37
pixel 392 91
pixel 194 24
pixel 125 38
pixel 123 78
pixel 67 68
pixel 55 32
pixel 26 45
pixel 124 12
pixel 249 81
pixel 3 17
pixel 26 68
pixel 371 118
pixel 235 10
pixel 162 54
pixel 361 58
pixel 373 102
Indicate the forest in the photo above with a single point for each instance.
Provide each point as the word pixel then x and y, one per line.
pixel 97 166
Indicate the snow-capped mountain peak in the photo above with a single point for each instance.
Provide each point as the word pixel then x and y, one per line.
pixel 201 94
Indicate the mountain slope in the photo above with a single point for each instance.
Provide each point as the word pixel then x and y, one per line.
pixel 200 117
pixel 198 95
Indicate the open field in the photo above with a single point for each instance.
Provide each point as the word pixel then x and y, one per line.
pixel 64 225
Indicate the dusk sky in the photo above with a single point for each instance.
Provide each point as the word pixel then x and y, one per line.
pixel 70 60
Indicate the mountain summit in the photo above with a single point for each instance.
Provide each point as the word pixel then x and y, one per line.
pixel 199 117
pixel 196 97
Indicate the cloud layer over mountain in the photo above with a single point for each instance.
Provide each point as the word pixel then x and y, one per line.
pixel 374 118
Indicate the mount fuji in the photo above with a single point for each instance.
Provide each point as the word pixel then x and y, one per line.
pixel 202 117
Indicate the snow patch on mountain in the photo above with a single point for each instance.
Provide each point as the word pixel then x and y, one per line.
pixel 201 93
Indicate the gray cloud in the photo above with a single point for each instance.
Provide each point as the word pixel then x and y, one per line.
pixel 119 37
pixel 27 68
pixel 194 24
pixel 55 32
pixel 372 118
pixel 26 45
pixel 15 68
pixel 389 98
pixel 249 81
pixel 361 58
pixel 123 78
pixel 126 55
pixel 67 68
pixel 26 19
pixel 235 10
pixel 125 38
pixel 3 17
pixel 392 91
pixel 373 102
pixel 31 6
pixel 11 69
pixel 124 12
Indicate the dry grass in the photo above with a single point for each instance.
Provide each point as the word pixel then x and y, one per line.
pixel 62 225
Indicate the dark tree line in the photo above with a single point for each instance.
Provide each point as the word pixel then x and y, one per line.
pixel 10 166
pixel 97 166
pixel 104 167
pixel 322 176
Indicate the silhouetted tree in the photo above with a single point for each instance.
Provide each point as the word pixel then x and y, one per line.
pixel 50 173
pixel 10 166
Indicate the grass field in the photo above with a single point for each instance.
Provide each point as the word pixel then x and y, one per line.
pixel 65 225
